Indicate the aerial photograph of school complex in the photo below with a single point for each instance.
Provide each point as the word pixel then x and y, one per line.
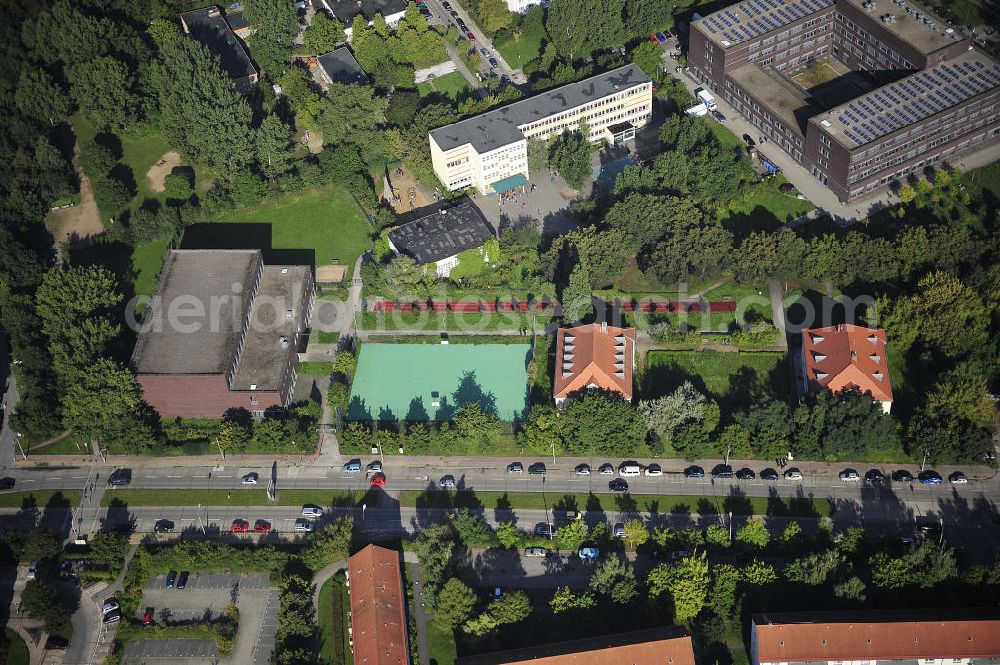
pixel 500 332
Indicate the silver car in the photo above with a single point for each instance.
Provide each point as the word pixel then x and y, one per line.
pixel 535 551
pixel 304 526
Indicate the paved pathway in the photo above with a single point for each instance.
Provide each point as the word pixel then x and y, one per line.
pixel 460 64
pixel 778 311
pixel 419 613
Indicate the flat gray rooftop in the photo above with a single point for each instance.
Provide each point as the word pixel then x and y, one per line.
pixel 779 95
pixel 497 128
pixel 916 97
pixel 264 361
pixel 217 282
pixel 341 66
pixel 753 18
pixel 346 10
pixel 442 234
pixel 906 25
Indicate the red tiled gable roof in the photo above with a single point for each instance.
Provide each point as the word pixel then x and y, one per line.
pixel 847 357
pixel 378 616
pixel 656 646
pixel 587 356
pixel 901 635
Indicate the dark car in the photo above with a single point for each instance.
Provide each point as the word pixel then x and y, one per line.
pixel 694 472
pixel 902 476
pixel 538 469
pixel 745 474
pixel 722 471
pixel 749 140
pixel 171 579
pixel 120 478
pixel 874 476
pixel 471 37
pixel 618 485
pixel 493 63
pixel 929 527
pixel 6 483
pixel 446 5
pixel 163 526
pixel 182 580
pixel 768 474
pixel 717 114
pixel 929 477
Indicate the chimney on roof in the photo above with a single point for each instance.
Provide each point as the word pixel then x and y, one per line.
pixel 604 327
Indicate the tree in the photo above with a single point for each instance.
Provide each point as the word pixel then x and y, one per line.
pixel 665 415
pixel 599 422
pixel 961 393
pixel 96 159
pixel 888 572
pixel 402 108
pixel 472 530
pixel 580 27
pixel 571 536
pixel 511 608
pixel 717 535
pixel 850 540
pixel 474 424
pixel 112 195
pixel 688 586
pixel 104 405
pixel 753 533
pixel 275 27
pixel 758 573
pixel 104 90
pixel 636 532
pixel 647 55
pixel 564 600
pixel 792 532
pixel 757 259
pixel 931 564
pixel 433 546
pixel 538 155
pixel 645 16
pixel 455 603
pixel 508 534
pixel 850 589
pixel 493 15
pixel 614 578
pixel 814 569
pixel 41 545
pixel 108 548
pixel 38 96
pixel 232 438
pixel 769 424
pixel 323 35
pixel 271 142
pixel 570 156
pixel 41 601
pixel 953 317
pixel 577 297
pixel 329 544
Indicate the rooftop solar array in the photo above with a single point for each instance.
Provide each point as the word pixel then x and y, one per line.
pixel 916 97
pixel 753 18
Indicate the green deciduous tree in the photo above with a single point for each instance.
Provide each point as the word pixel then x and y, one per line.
pixel 474 424
pixel 600 422
pixel 580 27
pixel 648 56
pixel 329 544
pixel 614 579
pixel 275 28
pixel 565 600
pixel 850 589
pixel 508 534
pixel 753 534
pixel 272 141
pixel 577 297
pixel 433 546
pixel 665 415
pixel 792 532
pixel 636 532
pixel 758 573
pixel 570 156
pixel 513 607
pixel 538 156
pixel 816 568
pixel 717 535
pixel 571 536
pixel 104 90
pixel 41 545
pixel 323 35
pixel 41 601
pixel 953 317
pixel 888 572
pixel 455 603
pixel 104 404
pixel 38 96
pixel 493 15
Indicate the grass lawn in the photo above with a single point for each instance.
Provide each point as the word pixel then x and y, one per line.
pixel 146 263
pixel 451 85
pixel 235 497
pixel 440 643
pixel 762 208
pixel 658 504
pixel 327 336
pixel 316 368
pixel 726 377
pixel 13 650
pixel 334 605
pixel 424 88
pixel 69 445
pixel 519 52
pixel 40 499
pixel 465 321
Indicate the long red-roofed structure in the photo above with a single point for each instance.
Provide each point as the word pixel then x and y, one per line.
pixel 378 608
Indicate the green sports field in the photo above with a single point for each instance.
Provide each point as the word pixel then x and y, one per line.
pixel 420 382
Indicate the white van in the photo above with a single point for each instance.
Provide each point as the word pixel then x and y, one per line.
pixel 629 469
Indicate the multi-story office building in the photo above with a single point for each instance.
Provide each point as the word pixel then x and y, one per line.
pixel 902 90
pixel 490 151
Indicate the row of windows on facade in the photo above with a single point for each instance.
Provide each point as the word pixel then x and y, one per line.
pixel 751 103
pixel 589 105
pixel 859 40
pixel 883 164
pixel 574 121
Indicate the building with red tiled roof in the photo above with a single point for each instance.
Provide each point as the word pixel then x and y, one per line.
pixel 595 355
pixel 378 608
pixel 656 646
pixel 918 637
pixel 847 358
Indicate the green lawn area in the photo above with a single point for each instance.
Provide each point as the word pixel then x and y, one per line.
pixel 326 336
pixel 451 85
pixel 762 208
pixel 334 605
pixel 519 52
pixel 40 499
pixel 464 321
pixel 424 88
pixel 440 643
pixel 235 497
pixel 13 650
pixel 726 377
pixel 316 368
pixel 660 504
pixel 146 262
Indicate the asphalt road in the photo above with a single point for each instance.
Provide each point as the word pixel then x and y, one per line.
pixel 443 16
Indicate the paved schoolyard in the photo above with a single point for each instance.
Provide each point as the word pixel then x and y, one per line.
pixel 547 206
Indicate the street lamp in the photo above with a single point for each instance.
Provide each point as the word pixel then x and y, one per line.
pixel 20 447
pixel 927 454
pixel 730 526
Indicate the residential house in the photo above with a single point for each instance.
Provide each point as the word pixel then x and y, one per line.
pixel 847 358
pixel 594 355
pixel 212 27
pixel 440 237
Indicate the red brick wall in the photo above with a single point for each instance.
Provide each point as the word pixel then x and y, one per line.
pixel 199 396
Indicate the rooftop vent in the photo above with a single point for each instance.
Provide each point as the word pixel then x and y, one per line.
pixel 888 18
pixel 283 342
pixel 284 271
pixel 870 5
pixel 289 313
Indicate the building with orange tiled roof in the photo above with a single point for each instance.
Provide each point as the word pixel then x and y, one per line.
pixel 656 646
pixel 378 608
pixel 595 355
pixel 915 637
pixel 847 358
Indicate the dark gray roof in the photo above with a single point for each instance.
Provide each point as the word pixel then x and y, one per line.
pixel 346 10
pixel 236 19
pixel 209 27
pixel 341 67
pixel 499 127
pixel 443 234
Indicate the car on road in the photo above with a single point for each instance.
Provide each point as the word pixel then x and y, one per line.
pixel 240 526
pixel 958 478
pixel 147 617
pixel 471 37
pixel 354 466
pixel 312 511
pixel 654 470
pixel 493 62
pixel 485 51
pixel 768 474
pixel 447 482
pixel 379 480
pixel 110 605
pixel 910 539
pixel 262 526
pixel 850 476
pixel 374 466
pixel 722 471
pixel 112 617
pixel 928 527
pixel 535 551
pixel 717 114
pixel 497 594
pixel 745 474
pixel 303 526
pixel 874 476
pixel 582 470
pixel 250 479
pixel 171 579
pixel 606 470
pixel 461 24
pixel 182 579
pixel 929 477
pixel 6 483
pixel 453 13
pixel 163 526
pixel 618 485
pixel 545 529
pixel 572 516
pixel 120 478
pixel 32 570
pixel 446 5
pixel 515 467
pixel 537 469
pixel 589 553
pixel 619 530
pixel 793 474
pixel 694 471
pixel 902 476
pixel 660 37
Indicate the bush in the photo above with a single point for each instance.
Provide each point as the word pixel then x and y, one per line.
pixel 112 195
pixel 146 225
pixel 96 160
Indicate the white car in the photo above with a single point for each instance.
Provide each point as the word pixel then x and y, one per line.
pixel 606 470
pixel 304 526
pixel 619 530
pixel 312 511
pixel 32 570
pixel 583 470
pixel 374 467
pixel 250 479
pixel 850 476
pixel 793 474
pixel 654 470
pixel 110 605
pixel 958 478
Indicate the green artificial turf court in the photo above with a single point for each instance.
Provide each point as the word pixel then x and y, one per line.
pixel 421 382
